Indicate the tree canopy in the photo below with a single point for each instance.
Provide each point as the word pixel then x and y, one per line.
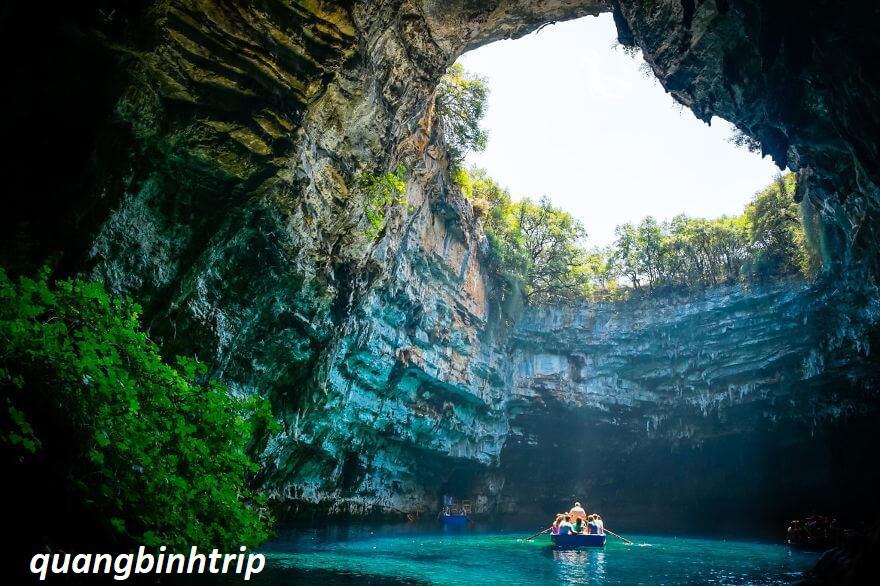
pixel 765 242
pixel 126 447
pixel 461 104
pixel 540 251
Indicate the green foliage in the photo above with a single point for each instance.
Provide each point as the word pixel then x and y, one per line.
pixel 537 250
pixel 380 192
pixel 150 452
pixel 682 252
pixel 550 241
pixel 741 139
pixel 476 185
pixel 777 232
pixel 766 242
pixel 461 104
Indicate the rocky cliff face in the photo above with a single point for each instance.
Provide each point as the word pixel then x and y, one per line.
pixel 715 411
pixel 206 162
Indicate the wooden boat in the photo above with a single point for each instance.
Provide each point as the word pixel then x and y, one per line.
pixel 570 540
pixel 455 520
pixel 454 513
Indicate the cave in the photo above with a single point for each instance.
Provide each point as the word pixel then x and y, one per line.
pixel 204 158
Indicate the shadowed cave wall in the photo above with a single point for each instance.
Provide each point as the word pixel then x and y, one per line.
pixel 201 157
pixel 724 411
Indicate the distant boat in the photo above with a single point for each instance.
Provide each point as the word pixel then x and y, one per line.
pixel 578 540
pixel 459 520
pixel 454 513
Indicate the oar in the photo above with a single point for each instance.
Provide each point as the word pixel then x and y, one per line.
pixel 539 533
pixel 624 539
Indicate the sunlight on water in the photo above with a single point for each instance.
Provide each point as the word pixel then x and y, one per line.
pixel 411 555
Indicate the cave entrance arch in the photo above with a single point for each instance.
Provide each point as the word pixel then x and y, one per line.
pixel 215 183
pixel 745 467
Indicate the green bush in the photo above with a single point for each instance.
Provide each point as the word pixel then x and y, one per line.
pixel 150 452
pixel 380 192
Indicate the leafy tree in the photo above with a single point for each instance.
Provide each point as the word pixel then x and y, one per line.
pixel 461 104
pixel 627 254
pixel 551 240
pixel 135 449
pixel 776 231
pixel 537 251
pixel 767 241
pixel 602 274
pixel 482 190
pixel 651 258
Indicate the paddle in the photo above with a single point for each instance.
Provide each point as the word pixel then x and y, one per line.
pixel 624 539
pixel 539 533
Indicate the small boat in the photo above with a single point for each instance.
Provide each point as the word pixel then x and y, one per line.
pixel 578 540
pixel 455 520
pixel 455 513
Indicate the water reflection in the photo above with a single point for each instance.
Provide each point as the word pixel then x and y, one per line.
pixel 478 557
pixel 579 566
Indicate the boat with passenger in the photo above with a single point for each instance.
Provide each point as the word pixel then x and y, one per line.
pixel 455 513
pixel 572 540
pixel 577 529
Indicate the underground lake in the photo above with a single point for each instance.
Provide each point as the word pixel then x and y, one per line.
pixel 484 555
pixel 442 292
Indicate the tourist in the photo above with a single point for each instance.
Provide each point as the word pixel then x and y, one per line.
pixel 577 512
pixel 601 524
pixel 578 526
pixel 565 526
pixel 556 523
pixel 592 526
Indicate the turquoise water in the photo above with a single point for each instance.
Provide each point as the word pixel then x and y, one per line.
pixel 411 555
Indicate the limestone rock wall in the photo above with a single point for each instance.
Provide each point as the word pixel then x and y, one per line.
pixel 202 157
pixel 729 409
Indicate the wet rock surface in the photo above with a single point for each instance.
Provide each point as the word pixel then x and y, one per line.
pixel 702 412
pixel 205 157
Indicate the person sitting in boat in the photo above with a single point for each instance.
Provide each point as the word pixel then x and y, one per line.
pixel 556 523
pixel 577 512
pixel 601 524
pixel 592 526
pixel 565 526
pixel 578 526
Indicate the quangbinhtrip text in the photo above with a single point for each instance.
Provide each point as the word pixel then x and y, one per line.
pixel 122 566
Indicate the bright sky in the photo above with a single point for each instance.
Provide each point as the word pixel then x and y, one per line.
pixel 571 116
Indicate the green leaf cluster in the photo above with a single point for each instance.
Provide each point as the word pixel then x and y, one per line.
pixel 766 242
pixel 461 99
pixel 539 252
pixel 778 240
pixel 380 192
pixel 682 252
pixel 151 452
pixel 536 249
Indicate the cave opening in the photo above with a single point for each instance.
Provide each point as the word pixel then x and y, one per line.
pixel 276 190
pixel 660 432
pixel 574 115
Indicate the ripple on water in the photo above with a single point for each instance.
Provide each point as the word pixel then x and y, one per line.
pixel 412 556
